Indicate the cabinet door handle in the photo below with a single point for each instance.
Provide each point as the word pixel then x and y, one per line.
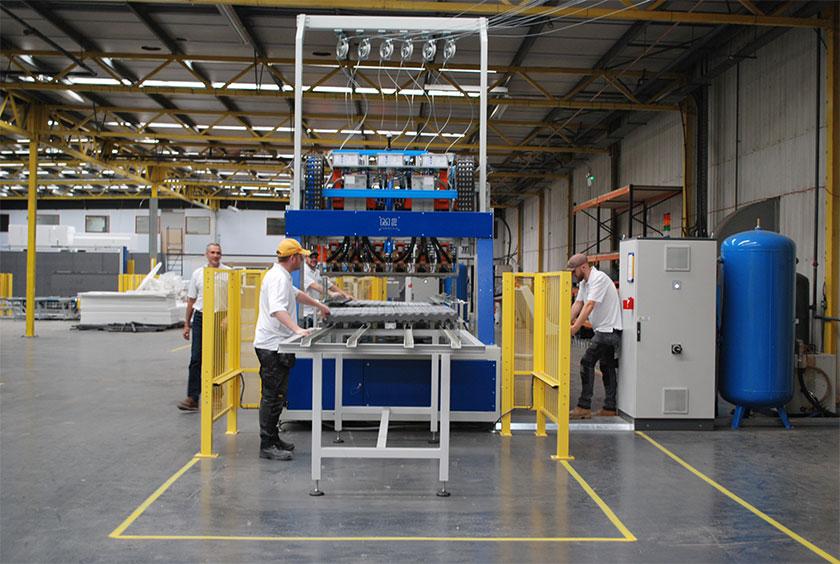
pixel 638 331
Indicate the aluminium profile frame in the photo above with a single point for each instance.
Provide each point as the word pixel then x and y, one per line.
pixel 399 24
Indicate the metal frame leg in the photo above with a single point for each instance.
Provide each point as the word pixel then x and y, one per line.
pixel 739 414
pixel 444 421
pixel 434 403
pixel 339 391
pixel 317 408
pixel 784 417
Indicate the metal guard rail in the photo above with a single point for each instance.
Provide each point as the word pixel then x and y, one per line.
pixel 536 344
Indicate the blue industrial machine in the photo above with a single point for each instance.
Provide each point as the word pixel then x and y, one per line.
pixel 758 322
pixel 401 214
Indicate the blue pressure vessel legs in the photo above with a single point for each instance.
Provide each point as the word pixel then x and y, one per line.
pixel 741 411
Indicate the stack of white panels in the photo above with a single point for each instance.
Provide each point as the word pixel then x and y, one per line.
pixel 151 308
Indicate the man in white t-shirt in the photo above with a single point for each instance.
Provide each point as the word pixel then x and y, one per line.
pixel 275 323
pixel 597 301
pixel 313 285
pixel 195 305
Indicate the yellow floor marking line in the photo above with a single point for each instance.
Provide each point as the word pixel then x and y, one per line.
pixel 182 347
pixel 116 533
pixel 370 539
pixel 628 536
pixel 804 542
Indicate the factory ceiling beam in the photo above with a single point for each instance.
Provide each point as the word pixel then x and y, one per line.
pixel 149 22
pixel 115 68
pixel 285 115
pixel 475 9
pixel 325 142
pixel 603 62
pixel 146 195
pixel 226 167
pixel 534 31
pixel 205 91
pixel 716 41
pixel 80 154
pixel 288 61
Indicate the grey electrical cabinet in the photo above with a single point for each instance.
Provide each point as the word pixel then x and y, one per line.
pixel 666 376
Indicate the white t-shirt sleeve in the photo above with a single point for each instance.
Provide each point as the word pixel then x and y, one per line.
pixel 309 278
pixel 278 298
pixel 597 289
pixel 192 288
pixel 581 293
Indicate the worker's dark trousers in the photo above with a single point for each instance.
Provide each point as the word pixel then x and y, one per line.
pixel 194 381
pixel 274 375
pixel 601 349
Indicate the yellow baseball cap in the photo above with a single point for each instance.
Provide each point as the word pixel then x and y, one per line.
pixel 289 247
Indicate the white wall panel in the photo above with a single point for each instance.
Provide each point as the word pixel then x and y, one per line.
pixel 530 234
pixel 775 155
pixel 556 232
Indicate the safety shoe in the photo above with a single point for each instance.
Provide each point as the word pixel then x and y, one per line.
pixel 580 413
pixel 284 445
pixel 188 404
pixel 274 453
pixel 606 413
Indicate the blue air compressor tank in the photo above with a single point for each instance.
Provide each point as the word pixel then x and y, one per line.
pixel 758 320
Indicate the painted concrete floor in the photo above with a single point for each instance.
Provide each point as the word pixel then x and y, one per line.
pixel 89 430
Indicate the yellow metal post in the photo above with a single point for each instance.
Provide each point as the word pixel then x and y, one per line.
pixel 539 352
pixel 832 184
pixel 208 352
pixel 6 284
pixel 156 177
pixel 234 330
pixel 564 345
pixel 689 119
pixel 508 341
pixel 540 232
pixel 32 218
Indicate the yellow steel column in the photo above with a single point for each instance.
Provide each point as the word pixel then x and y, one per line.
pixel 156 175
pixel 508 341
pixel 35 118
pixel 564 342
pixel 540 231
pixel 234 332
pixel 519 220
pixel 832 185
pixel 208 358
pixel 538 386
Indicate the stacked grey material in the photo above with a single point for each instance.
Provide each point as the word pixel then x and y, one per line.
pixel 396 312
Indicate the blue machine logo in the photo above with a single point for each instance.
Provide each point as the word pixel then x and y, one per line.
pixel 389 223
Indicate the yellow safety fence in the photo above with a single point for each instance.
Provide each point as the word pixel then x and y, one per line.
pixel 229 366
pixel 250 307
pixel 220 353
pixel 6 282
pixel 364 287
pixel 128 282
pixel 536 351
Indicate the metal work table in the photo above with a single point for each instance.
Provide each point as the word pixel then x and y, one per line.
pixel 439 345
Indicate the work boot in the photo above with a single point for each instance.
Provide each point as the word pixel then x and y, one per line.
pixel 606 413
pixel 274 453
pixel 188 404
pixel 284 445
pixel 580 413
